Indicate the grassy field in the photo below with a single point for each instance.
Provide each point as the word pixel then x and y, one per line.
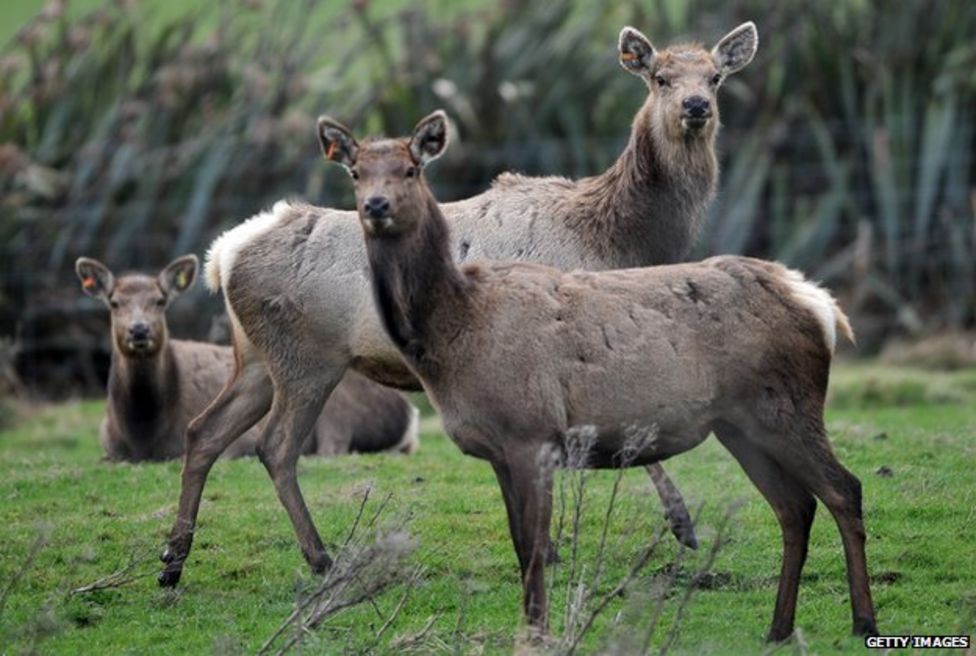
pixel 245 573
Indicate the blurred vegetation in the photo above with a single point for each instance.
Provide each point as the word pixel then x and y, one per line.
pixel 135 137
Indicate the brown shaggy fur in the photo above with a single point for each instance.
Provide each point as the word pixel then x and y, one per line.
pixel 296 285
pixel 157 384
pixel 517 356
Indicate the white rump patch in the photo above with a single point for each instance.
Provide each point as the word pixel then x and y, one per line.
pixel 823 306
pixel 410 441
pixel 223 251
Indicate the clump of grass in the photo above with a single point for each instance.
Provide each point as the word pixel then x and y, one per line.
pixel 366 566
pixel 855 386
pixel 44 622
pixel 946 351
pixel 639 602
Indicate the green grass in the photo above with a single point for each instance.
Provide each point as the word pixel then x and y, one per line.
pixel 245 571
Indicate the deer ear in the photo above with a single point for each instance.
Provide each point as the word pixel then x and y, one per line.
pixel 736 49
pixel 338 144
pixel 96 279
pixel 429 140
pixel 636 52
pixel 179 275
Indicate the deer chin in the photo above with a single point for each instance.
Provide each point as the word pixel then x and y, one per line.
pixel 378 226
pixel 142 348
pixel 694 126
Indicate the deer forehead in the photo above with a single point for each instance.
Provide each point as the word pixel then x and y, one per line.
pixel 686 60
pixel 383 156
pixel 135 286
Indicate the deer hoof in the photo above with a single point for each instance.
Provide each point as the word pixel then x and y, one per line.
pixel 865 627
pixel 683 530
pixel 169 577
pixel 320 564
pixel 552 555
pixel 686 536
pixel 776 636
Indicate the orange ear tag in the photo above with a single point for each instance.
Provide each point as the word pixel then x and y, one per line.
pixel 331 151
pixel 628 56
pixel 88 282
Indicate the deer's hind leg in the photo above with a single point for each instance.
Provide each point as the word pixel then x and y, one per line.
pixel 240 405
pixel 803 455
pixel 675 510
pixel 794 507
pixel 811 459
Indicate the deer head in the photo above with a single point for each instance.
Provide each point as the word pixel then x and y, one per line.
pixel 387 173
pixel 683 80
pixel 137 303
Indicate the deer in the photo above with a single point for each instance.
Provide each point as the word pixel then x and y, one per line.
pixel 515 356
pixel 156 385
pixel 295 285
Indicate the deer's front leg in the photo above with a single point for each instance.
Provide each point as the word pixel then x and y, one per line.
pixel 513 509
pixel 527 489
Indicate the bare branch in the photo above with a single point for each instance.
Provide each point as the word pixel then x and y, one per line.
pixel 406 642
pixel 365 566
pixel 693 583
pixel 639 565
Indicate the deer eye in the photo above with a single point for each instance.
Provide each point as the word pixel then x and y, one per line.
pixel 160 302
pixel 716 79
pixel 354 173
pixel 661 81
pixel 114 305
pixel 411 172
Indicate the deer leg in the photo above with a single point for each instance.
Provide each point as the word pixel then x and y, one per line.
pixel 513 509
pixel 847 513
pixel 240 405
pixel 532 486
pixel 794 507
pixel 675 510
pixel 293 415
pixel 840 491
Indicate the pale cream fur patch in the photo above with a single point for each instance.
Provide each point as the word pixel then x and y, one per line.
pixel 823 305
pixel 225 248
pixel 410 441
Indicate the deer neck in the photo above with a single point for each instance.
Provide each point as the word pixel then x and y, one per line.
pixel 416 285
pixel 649 206
pixel 143 388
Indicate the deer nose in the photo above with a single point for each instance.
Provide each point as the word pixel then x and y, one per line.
pixel 377 207
pixel 139 332
pixel 696 107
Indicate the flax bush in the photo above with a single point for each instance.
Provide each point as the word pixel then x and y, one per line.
pixel 135 137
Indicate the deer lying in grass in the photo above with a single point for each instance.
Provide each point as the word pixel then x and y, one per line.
pixel 157 384
pixel 514 356
pixel 295 286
